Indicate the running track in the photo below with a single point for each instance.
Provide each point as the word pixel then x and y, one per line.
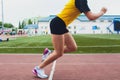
pixel 68 67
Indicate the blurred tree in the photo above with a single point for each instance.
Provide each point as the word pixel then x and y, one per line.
pixel 23 24
pixel 8 25
pixel 20 26
pixel 30 21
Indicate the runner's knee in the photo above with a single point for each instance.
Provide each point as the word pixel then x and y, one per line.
pixel 59 53
pixel 72 48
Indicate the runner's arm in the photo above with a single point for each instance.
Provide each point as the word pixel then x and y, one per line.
pixel 92 16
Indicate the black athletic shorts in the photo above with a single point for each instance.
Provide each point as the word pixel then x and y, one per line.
pixel 57 26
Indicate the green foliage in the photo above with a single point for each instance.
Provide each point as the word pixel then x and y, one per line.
pixel 20 26
pixel 0 23
pixel 23 24
pixel 30 21
pixel 7 25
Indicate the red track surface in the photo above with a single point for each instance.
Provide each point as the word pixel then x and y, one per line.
pixel 68 67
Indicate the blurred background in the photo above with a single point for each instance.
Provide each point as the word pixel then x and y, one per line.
pixel 24 26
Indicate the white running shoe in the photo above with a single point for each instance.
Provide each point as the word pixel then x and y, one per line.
pixel 39 72
pixel 46 53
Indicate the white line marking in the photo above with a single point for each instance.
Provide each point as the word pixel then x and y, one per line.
pixel 101 46
pixel 52 47
pixel 52 71
pixel 36 54
pixel 29 47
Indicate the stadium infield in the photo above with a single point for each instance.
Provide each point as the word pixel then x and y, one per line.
pixel 68 67
pixel 87 43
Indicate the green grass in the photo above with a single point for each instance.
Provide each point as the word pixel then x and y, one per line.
pixel 87 43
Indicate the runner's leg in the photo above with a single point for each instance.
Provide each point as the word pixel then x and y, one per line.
pixel 70 44
pixel 58 43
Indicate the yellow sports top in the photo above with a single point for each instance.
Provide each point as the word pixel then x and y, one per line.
pixel 69 13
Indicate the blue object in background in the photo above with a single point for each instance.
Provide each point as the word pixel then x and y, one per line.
pixel 94 28
pixel 116 22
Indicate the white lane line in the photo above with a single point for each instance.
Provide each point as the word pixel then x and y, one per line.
pixel 52 71
pixel 36 54
pixel 52 47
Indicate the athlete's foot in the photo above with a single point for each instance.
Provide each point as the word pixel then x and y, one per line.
pixel 39 72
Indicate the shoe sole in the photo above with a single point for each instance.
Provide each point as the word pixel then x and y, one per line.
pixel 35 73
